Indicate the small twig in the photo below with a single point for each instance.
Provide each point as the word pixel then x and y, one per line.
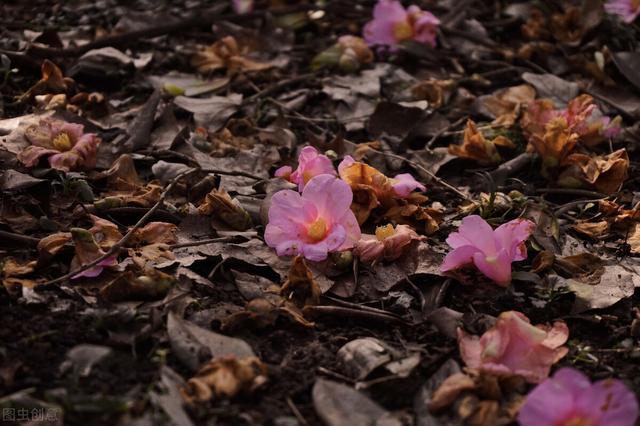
pixel 341 311
pixel 570 191
pixel 296 412
pixel 356 306
pixel 30 241
pixel 442 131
pixel 202 242
pixel 277 86
pixel 232 173
pixel 568 206
pixel 117 246
pixel 511 167
pixel 428 172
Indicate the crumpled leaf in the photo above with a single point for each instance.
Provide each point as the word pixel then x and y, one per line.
pixel 151 284
pixel 504 105
pixel 476 147
pixel 300 287
pixel 261 313
pixel 219 204
pixel 194 345
pixel 615 283
pixel 225 377
pixel 339 405
pixel 227 54
pixel 13 275
pixel 122 175
pixel 52 81
pixel 87 250
pixel 362 356
pixel 605 173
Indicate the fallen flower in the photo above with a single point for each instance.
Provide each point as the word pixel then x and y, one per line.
pixel 348 55
pixel 388 243
pixel 627 10
pixel 491 251
pixel 227 54
pixel 515 347
pixel 393 24
pixel 310 163
pixel 569 398
pixel 65 144
pixel 315 223
pixel 87 250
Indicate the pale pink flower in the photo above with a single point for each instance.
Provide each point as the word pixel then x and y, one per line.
pixel 490 251
pixel 515 347
pixel 242 6
pixel 66 145
pixel 318 222
pixel 570 399
pixel 393 24
pixel 388 243
pixel 628 10
pixel 310 164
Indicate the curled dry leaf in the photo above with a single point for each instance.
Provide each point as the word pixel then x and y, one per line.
pixel 225 377
pixel 449 390
pixel 13 274
pixel 605 173
pixel 261 313
pixel 87 250
pixel 227 54
pixel 52 81
pixel 122 175
pixel 300 287
pixel 504 104
pixel 476 147
pixel 218 203
pixel 592 229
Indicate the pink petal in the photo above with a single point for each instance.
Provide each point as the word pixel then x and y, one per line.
pixel 287 247
pixel 86 147
pixel 30 156
pixel 458 258
pixel 608 402
pixel 284 172
pixel 352 230
pixel 288 207
pixel 75 131
pixel 369 248
pixel 497 268
pixel 331 196
pixel 404 184
pixel 474 231
pixel 380 31
pixel 344 164
pixel 315 252
pixel 65 161
pixel 335 239
pixel 511 235
pixel 470 349
pixel 622 8
pixel 550 403
pixel 425 28
pixel 242 6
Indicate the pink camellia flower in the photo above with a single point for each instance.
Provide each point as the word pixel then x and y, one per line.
pixel 515 347
pixel 490 251
pixel 570 399
pixel 310 164
pixel 393 24
pixel 318 222
pixel 242 6
pixel 404 184
pixel 628 10
pixel 66 145
pixel 388 243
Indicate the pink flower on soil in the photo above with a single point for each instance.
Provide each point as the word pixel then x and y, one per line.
pixel 387 243
pixel 66 145
pixel 570 399
pixel 491 251
pixel 318 222
pixel 393 24
pixel 310 164
pixel 628 10
pixel 515 347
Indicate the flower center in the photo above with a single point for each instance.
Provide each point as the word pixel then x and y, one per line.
pixel 491 259
pixel 384 232
pixel 402 30
pixel 62 142
pixel 306 176
pixel 577 421
pixel 318 230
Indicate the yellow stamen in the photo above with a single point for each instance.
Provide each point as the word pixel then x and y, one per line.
pixel 318 230
pixel 62 142
pixel 577 421
pixel 306 176
pixel 402 31
pixel 383 232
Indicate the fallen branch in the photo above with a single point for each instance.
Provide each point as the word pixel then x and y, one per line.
pixel 30 241
pixel 511 167
pixel 120 244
